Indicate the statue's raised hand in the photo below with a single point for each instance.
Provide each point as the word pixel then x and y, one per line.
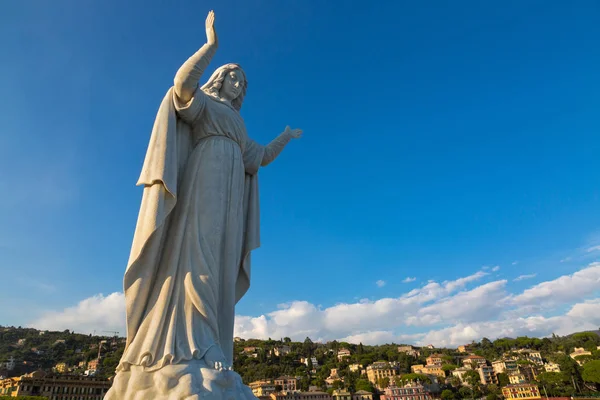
pixel 295 133
pixel 211 34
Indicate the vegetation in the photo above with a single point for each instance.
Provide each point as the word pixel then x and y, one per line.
pixel 44 351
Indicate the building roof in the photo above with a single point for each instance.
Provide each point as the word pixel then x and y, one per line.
pixel 515 385
pixel 363 392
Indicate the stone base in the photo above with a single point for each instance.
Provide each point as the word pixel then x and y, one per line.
pixel 191 380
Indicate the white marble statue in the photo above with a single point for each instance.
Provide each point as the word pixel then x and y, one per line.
pixel 197 225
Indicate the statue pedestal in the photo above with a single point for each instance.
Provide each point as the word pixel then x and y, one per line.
pixel 191 380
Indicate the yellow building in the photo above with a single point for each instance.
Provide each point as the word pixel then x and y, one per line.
pixel 516 378
pixel 341 395
pixel 552 367
pixel 287 383
pixel 61 368
pixel 262 388
pixel 435 370
pixel 380 370
pixel 434 359
pixel 55 387
pixel 522 391
pixel 417 369
pixel 362 395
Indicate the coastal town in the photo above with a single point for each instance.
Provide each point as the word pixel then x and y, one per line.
pixel 522 368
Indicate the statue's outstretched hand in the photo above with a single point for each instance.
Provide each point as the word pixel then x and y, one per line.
pixel 295 133
pixel 211 34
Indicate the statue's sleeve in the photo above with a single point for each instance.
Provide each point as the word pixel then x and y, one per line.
pixel 253 155
pixel 190 111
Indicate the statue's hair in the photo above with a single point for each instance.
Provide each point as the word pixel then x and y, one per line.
pixel 215 82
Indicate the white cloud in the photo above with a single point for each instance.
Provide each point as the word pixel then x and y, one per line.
pixel 514 263
pixel 523 277
pixel 409 279
pixel 97 313
pixel 593 248
pixel 447 313
pixel 496 268
pixel 380 283
pixel 563 289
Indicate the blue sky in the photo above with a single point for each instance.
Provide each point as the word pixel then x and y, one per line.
pixel 442 139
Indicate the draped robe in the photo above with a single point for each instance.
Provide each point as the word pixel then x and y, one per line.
pixel 198 223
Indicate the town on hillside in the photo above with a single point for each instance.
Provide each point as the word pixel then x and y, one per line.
pixel 66 365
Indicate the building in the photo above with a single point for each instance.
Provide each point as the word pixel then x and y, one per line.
pixel 435 370
pixel 250 349
pixel 529 371
pixel 504 366
pixel 579 351
pixel 343 353
pixel 238 339
pixel 287 383
pixel 61 368
pixel 379 370
pixel 473 361
pixel 362 395
pixel 522 391
pixel 430 346
pixel 93 365
pixel 409 350
pixel 487 375
pixel 463 348
pixel 262 388
pixel 516 378
pixel 281 350
pixel 531 355
pixel 434 359
pixel 354 367
pixel 341 395
pixel 301 396
pixel 333 376
pixel 8 365
pixel 55 387
pixel 552 367
pixel 417 368
pixel 410 391
pixel 460 372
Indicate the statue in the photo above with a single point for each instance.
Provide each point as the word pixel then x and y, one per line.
pixel 197 225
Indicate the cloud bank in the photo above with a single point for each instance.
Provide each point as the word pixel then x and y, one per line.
pixel 449 313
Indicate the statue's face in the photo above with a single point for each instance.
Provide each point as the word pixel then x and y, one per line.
pixel 232 85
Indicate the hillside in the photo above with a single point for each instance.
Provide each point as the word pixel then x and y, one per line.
pixel 269 359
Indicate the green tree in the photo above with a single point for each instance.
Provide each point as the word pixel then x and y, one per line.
pixel 591 373
pixel 447 394
pixel 472 378
pixel 383 382
pixel 503 379
pixel 363 384
pixel 337 384
pixel 491 396
pixel 557 384
pixel 465 392
pixel 415 377
pixel 448 367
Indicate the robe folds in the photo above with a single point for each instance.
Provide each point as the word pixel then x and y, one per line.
pixel 198 223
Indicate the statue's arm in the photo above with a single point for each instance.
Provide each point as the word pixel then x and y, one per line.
pixel 188 75
pixel 273 149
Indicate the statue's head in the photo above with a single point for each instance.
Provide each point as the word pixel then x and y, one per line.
pixel 228 82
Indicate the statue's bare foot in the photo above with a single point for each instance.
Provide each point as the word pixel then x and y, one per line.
pixel 215 358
